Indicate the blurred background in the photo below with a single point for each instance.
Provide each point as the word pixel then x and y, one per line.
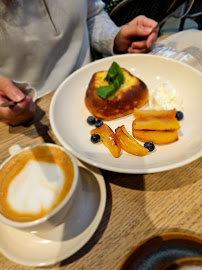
pixel 123 11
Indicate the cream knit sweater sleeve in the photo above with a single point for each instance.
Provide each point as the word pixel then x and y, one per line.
pixel 102 30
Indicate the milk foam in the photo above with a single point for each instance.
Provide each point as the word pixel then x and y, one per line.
pixel 36 187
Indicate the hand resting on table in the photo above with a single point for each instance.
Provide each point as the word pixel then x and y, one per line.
pixel 22 111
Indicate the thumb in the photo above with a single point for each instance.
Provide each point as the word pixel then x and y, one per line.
pixel 143 31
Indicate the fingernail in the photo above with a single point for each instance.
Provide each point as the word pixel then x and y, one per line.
pixel 19 96
pixel 147 30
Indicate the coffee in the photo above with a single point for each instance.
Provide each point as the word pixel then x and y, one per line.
pixel 34 182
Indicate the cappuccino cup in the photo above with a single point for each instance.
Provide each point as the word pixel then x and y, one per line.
pixel 38 185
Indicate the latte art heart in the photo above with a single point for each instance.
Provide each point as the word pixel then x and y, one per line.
pixel 36 187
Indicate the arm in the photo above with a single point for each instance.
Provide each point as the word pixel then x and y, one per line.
pixel 19 113
pixel 107 38
pixel 102 30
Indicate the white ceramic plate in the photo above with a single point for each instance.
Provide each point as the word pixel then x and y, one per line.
pixel 63 241
pixel 68 115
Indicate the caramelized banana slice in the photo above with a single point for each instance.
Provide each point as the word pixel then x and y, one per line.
pixel 138 113
pixel 156 136
pixel 128 143
pixel 108 138
pixel 154 123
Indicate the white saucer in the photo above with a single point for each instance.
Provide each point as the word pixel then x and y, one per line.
pixel 63 241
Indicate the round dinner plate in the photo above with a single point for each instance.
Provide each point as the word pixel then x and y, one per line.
pixel 68 115
pixel 60 243
pixel 164 251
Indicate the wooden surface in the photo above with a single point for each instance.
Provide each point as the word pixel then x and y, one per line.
pixel 138 206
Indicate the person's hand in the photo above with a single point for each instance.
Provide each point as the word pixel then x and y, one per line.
pixel 21 112
pixel 136 36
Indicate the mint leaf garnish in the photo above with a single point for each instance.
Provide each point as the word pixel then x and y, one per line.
pixel 105 91
pixel 114 78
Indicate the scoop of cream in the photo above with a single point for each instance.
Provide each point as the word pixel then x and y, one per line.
pixel 165 97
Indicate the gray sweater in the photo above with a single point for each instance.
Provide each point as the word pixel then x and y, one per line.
pixel 43 41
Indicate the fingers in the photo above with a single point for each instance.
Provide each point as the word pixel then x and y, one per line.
pixel 146 22
pixel 10 90
pixel 142 31
pixel 144 45
pixel 18 114
pixel 152 35
pixel 138 49
pixel 141 26
pixel 138 35
pixel 152 39
pixel 131 36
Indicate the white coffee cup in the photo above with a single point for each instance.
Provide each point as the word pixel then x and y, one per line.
pixel 38 185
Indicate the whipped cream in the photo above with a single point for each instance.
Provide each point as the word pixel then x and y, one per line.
pixel 165 97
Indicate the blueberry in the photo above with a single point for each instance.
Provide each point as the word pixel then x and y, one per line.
pixel 91 120
pixel 95 138
pixel 179 115
pixel 98 123
pixel 150 146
